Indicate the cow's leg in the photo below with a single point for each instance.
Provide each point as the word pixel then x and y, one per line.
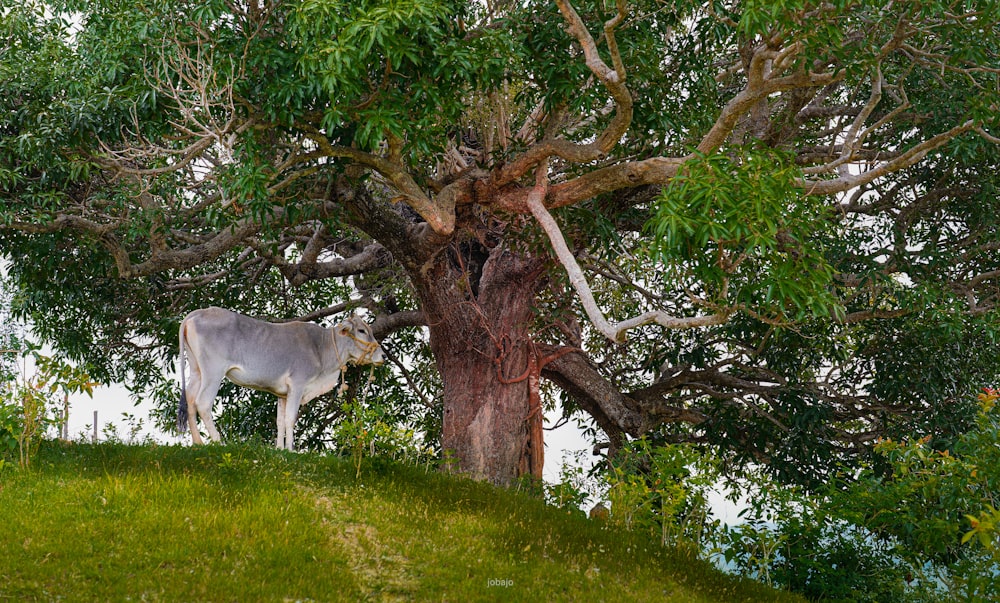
pixel 203 384
pixel 191 389
pixel 204 398
pixel 193 424
pixel 280 443
pixel 292 403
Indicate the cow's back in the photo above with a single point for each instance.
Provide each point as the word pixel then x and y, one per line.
pixel 264 350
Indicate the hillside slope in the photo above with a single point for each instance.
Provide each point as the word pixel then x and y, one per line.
pixel 165 523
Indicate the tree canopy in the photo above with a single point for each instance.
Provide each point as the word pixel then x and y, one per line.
pixel 768 227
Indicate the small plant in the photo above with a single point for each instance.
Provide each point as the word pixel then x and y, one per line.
pixel 132 434
pixel 449 462
pixel 34 421
pixel 753 548
pixel 662 489
pixel 30 400
pixel 366 430
pixel 226 461
pixel 22 421
pixel 574 487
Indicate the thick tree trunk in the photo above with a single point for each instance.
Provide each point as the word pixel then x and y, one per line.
pixel 479 309
pixel 477 297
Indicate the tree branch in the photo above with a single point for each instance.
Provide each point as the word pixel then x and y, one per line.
pixel 613 80
pixel 389 323
pixel 373 256
pixel 614 332
pixel 440 216
pixel 905 159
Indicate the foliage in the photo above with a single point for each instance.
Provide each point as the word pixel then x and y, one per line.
pixel 655 488
pixel 368 430
pixel 111 521
pixel 932 489
pixel 986 524
pixel 666 483
pixel 431 67
pixel 574 488
pixel 915 525
pixel 11 422
pixel 743 224
pixel 12 334
pixel 985 527
pixel 32 385
pixel 820 178
pixel 132 434
pixel 791 539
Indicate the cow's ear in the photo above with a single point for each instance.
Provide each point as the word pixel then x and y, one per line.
pixel 345 329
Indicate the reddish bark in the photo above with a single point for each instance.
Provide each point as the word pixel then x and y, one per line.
pixel 533 457
pixel 474 320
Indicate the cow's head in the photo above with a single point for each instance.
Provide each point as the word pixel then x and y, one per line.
pixel 363 347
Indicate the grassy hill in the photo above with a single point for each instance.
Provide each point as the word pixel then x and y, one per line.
pixel 164 523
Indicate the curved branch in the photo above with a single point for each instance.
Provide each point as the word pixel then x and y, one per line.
pixel 614 332
pixel 905 159
pixel 630 174
pixel 373 256
pixel 188 257
pixel 759 85
pixel 385 324
pixel 577 375
pixel 322 312
pixel 440 216
pixel 613 80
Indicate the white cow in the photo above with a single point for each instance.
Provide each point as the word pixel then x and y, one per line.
pixel 296 361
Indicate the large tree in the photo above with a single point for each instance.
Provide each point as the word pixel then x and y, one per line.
pixel 769 226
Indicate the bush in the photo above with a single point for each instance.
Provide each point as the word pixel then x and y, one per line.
pixel 917 523
pixel 574 488
pixel 661 489
pixel 28 403
pixel 791 540
pixel 10 430
pixel 366 430
pixel 914 523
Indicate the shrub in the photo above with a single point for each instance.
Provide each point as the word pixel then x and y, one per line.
pixel 661 489
pixel 28 402
pixel 912 523
pixel 917 523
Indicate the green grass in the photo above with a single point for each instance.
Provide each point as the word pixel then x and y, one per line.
pixel 166 523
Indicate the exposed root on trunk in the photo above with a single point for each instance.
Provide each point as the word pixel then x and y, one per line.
pixel 533 452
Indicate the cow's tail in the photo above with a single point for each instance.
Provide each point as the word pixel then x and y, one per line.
pixel 182 408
